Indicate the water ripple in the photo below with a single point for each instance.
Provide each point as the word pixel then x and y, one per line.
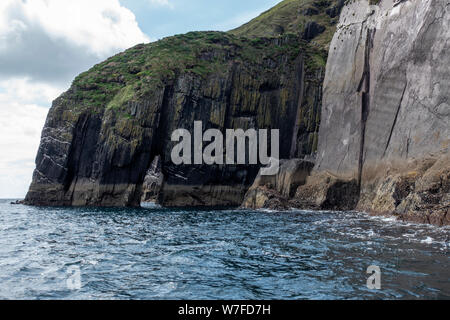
pixel 155 253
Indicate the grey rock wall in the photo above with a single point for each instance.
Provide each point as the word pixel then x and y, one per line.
pixel 386 108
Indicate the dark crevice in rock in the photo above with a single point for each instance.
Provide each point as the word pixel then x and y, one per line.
pixel 399 2
pixel 364 89
pixel 312 30
pixel 342 195
pixel 162 125
pixel 228 93
pixel 395 122
pixel 402 190
pixel 301 80
pixel 82 151
pixel 160 135
pixel 311 11
pixel 335 10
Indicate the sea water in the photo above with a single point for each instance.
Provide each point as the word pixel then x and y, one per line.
pixel 156 253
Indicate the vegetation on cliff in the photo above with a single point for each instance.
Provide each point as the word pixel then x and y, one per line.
pixel 298 17
pixel 143 68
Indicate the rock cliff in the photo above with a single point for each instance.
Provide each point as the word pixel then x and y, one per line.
pixel 102 135
pixel 385 116
pixel 377 130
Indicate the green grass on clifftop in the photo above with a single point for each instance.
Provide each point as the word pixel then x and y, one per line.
pixel 140 70
pixel 291 16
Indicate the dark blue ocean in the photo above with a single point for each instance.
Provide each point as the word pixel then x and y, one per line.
pixel 154 253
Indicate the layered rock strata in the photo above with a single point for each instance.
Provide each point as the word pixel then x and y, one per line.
pixel 102 135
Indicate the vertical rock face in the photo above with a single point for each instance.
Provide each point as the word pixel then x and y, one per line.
pixel 385 117
pixel 102 135
pixel 275 192
pixel 241 99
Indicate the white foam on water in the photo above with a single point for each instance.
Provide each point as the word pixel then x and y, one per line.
pixel 428 240
pixel 389 219
pixel 267 211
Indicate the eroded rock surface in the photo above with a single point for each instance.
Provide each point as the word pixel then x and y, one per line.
pixel 386 108
pixel 416 190
pixel 275 192
pixel 325 191
pixel 153 181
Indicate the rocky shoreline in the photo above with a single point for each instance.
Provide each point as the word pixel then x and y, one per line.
pixel 358 89
pixel 384 134
pixel 419 193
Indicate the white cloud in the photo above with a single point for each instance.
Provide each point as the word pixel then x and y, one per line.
pixel 162 3
pixel 53 40
pixel 44 44
pixel 21 122
pixel 101 26
pixel 23 90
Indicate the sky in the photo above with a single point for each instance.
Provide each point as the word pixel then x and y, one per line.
pixel 44 44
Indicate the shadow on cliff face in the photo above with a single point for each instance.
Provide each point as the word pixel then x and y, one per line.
pixel 327 192
pixel 342 196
